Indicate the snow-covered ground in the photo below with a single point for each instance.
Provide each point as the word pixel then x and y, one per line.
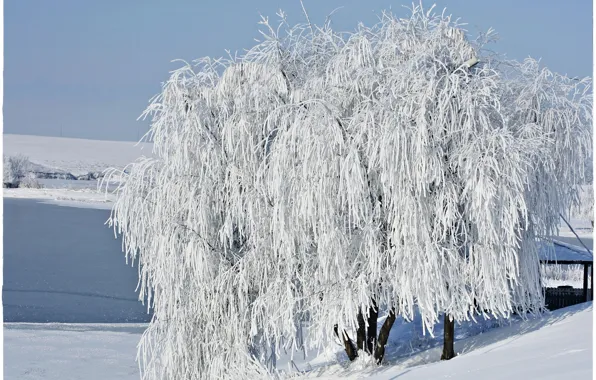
pixel 76 156
pixel 52 351
pixel 558 346
pixel 407 339
pixel 82 197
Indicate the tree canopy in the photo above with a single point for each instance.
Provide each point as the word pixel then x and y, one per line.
pixel 402 163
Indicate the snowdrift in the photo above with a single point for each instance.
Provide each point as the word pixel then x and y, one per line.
pixel 558 346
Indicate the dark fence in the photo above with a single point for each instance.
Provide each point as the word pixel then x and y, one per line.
pixel 563 296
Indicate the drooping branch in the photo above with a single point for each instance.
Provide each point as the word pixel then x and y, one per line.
pixel 322 163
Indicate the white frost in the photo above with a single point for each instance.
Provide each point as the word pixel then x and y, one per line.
pixel 322 170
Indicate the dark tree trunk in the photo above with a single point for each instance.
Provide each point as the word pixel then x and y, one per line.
pixel 366 337
pixel 585 284
pixel 361 332
pixel 371 333
pixel 349 346
pixel 384 336
pixel 448 337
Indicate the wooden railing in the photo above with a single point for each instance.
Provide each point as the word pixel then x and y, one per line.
pixel 563 296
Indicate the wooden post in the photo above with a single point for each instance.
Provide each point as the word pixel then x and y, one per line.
pixel 585 282
pixel 592 282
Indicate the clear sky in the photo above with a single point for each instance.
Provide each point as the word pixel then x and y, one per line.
pixel 86 68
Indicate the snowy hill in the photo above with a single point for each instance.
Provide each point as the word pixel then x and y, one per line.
pixel 75 156
pixel 558 346
pixel 66 159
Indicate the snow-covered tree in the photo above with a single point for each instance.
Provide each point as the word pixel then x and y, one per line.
pixel 15 169
pixel 322 177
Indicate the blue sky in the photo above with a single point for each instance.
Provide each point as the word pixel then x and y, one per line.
pixel 86 69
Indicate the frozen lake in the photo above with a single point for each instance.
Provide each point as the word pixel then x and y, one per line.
pixel 62 264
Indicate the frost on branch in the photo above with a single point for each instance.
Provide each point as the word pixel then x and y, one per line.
pixel 321 171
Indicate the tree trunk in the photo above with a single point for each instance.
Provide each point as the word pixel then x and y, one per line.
pixel 371 333
pixel 349 346
pixel 361 332
pixel 384 336
pixel 448 337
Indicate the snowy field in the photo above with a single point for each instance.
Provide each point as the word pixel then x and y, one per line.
pixel 556 347
pixel 82 197
pixel 75 197
pixel 76 156
pixel 70 351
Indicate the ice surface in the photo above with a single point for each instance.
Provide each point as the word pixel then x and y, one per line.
pixel 61 264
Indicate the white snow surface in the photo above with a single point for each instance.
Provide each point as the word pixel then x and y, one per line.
pixel 83 197
pixel 557 346
pixel 53 351
pixel 76 156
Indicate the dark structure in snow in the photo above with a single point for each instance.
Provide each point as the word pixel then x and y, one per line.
pixel 562 254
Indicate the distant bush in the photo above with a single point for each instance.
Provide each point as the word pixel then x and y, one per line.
pixel 15 170
pixel 30 182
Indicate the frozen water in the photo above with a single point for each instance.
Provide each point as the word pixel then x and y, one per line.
pixel 62 264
